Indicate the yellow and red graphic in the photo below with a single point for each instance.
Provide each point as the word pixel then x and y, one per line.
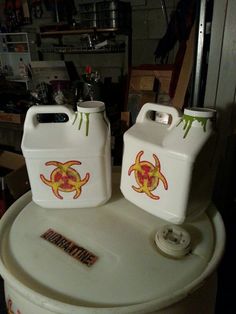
pixel 147 176
pixel 9 308
pixel 65 178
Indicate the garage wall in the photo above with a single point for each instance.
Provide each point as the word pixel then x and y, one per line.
pixel 148 26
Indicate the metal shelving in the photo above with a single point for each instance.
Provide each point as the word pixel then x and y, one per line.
pixel 13 48
pixel 81 47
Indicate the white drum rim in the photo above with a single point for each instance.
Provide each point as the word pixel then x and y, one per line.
pixel 156 304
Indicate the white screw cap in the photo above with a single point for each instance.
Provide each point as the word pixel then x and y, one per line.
pixel 173 241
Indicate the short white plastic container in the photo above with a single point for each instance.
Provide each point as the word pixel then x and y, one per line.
pixel 168 169
pixel 105 260
pixel 69 163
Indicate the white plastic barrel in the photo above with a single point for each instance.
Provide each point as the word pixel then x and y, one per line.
pixel 68 162
pixel 105 260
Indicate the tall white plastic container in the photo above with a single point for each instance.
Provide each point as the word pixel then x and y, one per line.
pixel 168 169
pixel 68 163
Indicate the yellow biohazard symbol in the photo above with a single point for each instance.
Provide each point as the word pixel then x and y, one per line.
pixel 147 176
pixel 64 178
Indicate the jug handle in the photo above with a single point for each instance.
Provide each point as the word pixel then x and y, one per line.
pixel 31 115
pixel 172 111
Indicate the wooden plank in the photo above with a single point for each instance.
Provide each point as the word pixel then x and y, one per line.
pixel 186 70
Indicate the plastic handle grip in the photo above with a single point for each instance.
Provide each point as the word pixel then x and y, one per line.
pixel 172 111
pixel 31 115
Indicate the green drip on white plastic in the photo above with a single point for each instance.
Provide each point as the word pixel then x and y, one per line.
pixel 81 120
pixel 87 123
pixel 188 121
pixel 76 115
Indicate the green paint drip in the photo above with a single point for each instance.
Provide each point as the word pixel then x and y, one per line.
pixel 81 120
pixel 188 121
pixel 76 115
pixel 87 123
pixel 203 122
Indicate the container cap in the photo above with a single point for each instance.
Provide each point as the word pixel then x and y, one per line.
pixel 97 257
pixel 91 106
pixel 173 240
pixel 200 112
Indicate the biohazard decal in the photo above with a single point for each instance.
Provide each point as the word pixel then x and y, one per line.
pixel 9 308
pixel 147 176
pixel 65 178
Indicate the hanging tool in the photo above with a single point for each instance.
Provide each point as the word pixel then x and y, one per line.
pixel 164 10
pixel 178 29
pixel 10 13
pixel 26 13
pixel 37 9
pixel 19 12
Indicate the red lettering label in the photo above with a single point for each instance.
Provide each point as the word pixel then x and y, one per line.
pixel 70 247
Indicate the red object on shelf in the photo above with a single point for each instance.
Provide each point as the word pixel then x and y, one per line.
pixel 88 69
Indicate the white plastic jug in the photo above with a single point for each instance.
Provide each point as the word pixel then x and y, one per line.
pixel 68 163
pixel 167 169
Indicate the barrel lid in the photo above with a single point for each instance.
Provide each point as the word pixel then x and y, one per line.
pixel 98 257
